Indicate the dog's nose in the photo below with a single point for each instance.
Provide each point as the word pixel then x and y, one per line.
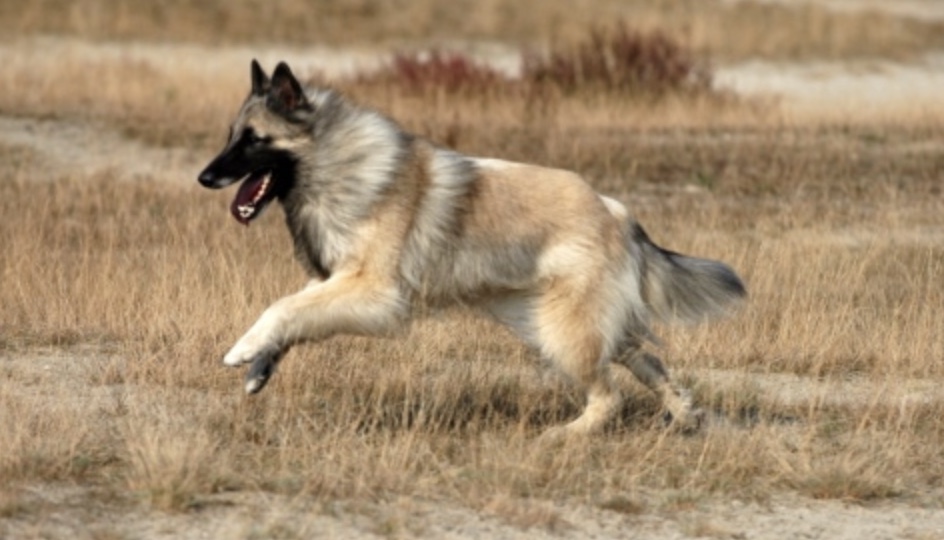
pixel 207 179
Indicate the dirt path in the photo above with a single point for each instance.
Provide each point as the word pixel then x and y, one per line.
pixel 931 10
pixel 269 516
pixel 55 378
pixel 843 91
pixel 68 147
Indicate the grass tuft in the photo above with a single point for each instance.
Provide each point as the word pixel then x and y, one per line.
pixel 620 60
pixel 438 71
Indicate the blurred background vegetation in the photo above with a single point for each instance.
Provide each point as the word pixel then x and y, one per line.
pixel 726 30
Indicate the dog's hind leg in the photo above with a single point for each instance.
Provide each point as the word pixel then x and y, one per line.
pixel 569 334
pixel 650 371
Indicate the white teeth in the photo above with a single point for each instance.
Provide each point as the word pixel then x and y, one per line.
pixel 262 189
pixel 245 210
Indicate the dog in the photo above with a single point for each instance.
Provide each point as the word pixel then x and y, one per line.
pixel 389 225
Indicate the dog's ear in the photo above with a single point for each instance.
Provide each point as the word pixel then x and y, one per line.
pixel 260 81
pixel 286 95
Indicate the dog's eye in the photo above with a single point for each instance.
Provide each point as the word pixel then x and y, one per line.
pixel 254 138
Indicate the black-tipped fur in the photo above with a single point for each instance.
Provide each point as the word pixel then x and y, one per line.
pixel 688 289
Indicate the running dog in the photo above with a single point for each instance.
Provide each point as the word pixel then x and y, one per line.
pixel 386 222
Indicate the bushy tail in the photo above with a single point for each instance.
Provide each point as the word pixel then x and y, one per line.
pixel 678 287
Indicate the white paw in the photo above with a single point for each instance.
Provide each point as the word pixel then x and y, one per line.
pixel 246 350
pixel 254 385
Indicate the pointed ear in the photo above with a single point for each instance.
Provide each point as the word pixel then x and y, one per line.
pixel 260 81
pixel 286 94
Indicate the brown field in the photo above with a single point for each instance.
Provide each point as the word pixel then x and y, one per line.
pixel 122 283
pixel 725 29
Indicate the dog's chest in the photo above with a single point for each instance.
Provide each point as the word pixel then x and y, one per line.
pixel 320 240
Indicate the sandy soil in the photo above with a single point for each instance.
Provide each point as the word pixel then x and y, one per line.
pixel 856 91
pixel 919 9
pixel 266 516
pixel 863 90
pixel 74 148
pixel 66 378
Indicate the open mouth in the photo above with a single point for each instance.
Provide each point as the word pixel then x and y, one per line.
pixel 254 194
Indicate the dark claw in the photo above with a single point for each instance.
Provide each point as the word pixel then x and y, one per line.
pixel 695 422
pixel 262 368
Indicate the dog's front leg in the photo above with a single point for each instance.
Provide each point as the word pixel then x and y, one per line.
pixel 347 304
pixel 262 369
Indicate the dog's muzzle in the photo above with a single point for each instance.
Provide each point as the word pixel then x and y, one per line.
pixel 210 180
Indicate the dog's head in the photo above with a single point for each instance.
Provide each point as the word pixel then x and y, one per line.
pixel 259 151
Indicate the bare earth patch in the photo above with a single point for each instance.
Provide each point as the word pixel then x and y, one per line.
pixel 857 92
pixel 69 147
pixel 919 9
pixel 75 382
pixel 66 513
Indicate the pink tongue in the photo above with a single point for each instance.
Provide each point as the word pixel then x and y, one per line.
pixel 243 208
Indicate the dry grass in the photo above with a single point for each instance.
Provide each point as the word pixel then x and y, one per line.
pixel 143 100
pixel 119 298
pixel 842 283
pixel 613 60
pixel 726 30
pixel 166 100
